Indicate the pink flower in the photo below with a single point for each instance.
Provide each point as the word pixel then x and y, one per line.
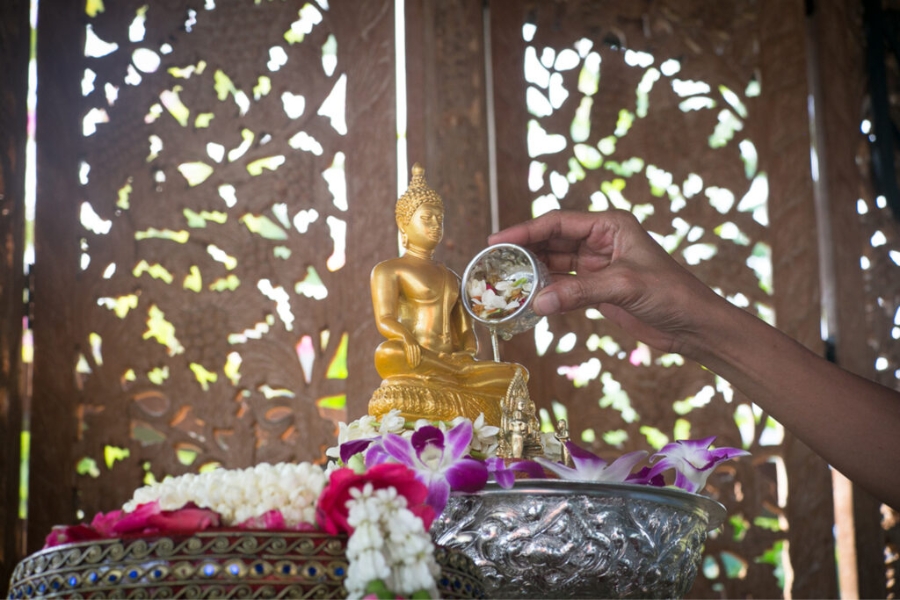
pixel 331 511
pixel 148 518
pixel 69 534
pixel 272 520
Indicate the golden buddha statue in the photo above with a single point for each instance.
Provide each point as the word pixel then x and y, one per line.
pixel 427 361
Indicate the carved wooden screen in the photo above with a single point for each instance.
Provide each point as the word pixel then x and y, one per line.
pixel 211 177
pixel 661 109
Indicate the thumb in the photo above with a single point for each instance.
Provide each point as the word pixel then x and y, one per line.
pixel 565 294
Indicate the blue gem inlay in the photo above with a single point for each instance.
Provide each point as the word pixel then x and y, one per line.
pixel 113 577
pixel 259 569
pixel 157 573
pixel 133 573
pixel 73 581
pixel 339 571
pixel 234 570
pixel 209 570
pixel 42 588
pixel 93 577
pixel 286 569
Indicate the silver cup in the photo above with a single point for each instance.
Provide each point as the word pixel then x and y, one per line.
pixel 498 289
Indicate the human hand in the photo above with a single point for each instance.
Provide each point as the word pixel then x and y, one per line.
pixel 608 261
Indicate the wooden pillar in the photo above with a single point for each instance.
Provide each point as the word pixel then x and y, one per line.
pixel 51 497
pixel 783 59
pixel 447 117
pixel 837 42
pixel 14 49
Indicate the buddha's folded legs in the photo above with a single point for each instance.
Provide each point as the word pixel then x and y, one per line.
pixel 459 370
pixel 391 361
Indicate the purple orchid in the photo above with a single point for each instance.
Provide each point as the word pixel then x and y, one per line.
pixel 590 467
pixel 348 449
pixel 647 477
pixel 505 476
pixel 692 461
pixel 437 458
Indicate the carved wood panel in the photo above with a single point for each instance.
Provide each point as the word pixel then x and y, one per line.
pixel 212 174
pixel 692 116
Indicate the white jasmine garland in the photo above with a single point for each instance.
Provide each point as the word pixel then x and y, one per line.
pixel 389 543
pixel 239 495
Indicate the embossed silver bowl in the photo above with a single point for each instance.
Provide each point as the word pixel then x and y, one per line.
pixel 564 539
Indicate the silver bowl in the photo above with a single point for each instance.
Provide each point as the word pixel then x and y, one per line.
pixel 564 539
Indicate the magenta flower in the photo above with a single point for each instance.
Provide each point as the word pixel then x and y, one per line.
pixel 437 459
pixel 590 467
pixel 692 461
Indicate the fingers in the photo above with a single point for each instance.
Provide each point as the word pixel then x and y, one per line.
pixel 558 228
pixel 413 355
pixel 574 241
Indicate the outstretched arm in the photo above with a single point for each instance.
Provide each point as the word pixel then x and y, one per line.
pixel 852 422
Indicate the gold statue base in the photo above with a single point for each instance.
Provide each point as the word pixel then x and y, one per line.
pixel 514 412
pixel 422 400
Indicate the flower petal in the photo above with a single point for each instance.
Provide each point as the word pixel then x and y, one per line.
pixel 467 475
pixel 504 477
pixel 376 455
pixel 584 460
pixel 427 436
pixel 350 448
pixel 692 461
pixel 399 448
pixel 646 477
pixel 564 472
pixel 459 438
pixel 621 468
pixel 438 493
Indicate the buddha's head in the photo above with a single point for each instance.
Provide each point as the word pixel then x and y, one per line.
pixel 420 213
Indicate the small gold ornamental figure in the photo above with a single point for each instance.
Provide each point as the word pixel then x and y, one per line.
pixel 562 434
pixel 518 431
pixel 427 361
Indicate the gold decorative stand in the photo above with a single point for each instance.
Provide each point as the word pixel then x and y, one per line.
pixel 211 564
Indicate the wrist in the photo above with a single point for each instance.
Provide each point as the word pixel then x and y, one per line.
pixel 720 328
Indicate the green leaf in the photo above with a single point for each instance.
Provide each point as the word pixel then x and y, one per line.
pixel 380 589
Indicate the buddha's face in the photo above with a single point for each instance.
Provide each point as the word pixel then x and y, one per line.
pixel 426 227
